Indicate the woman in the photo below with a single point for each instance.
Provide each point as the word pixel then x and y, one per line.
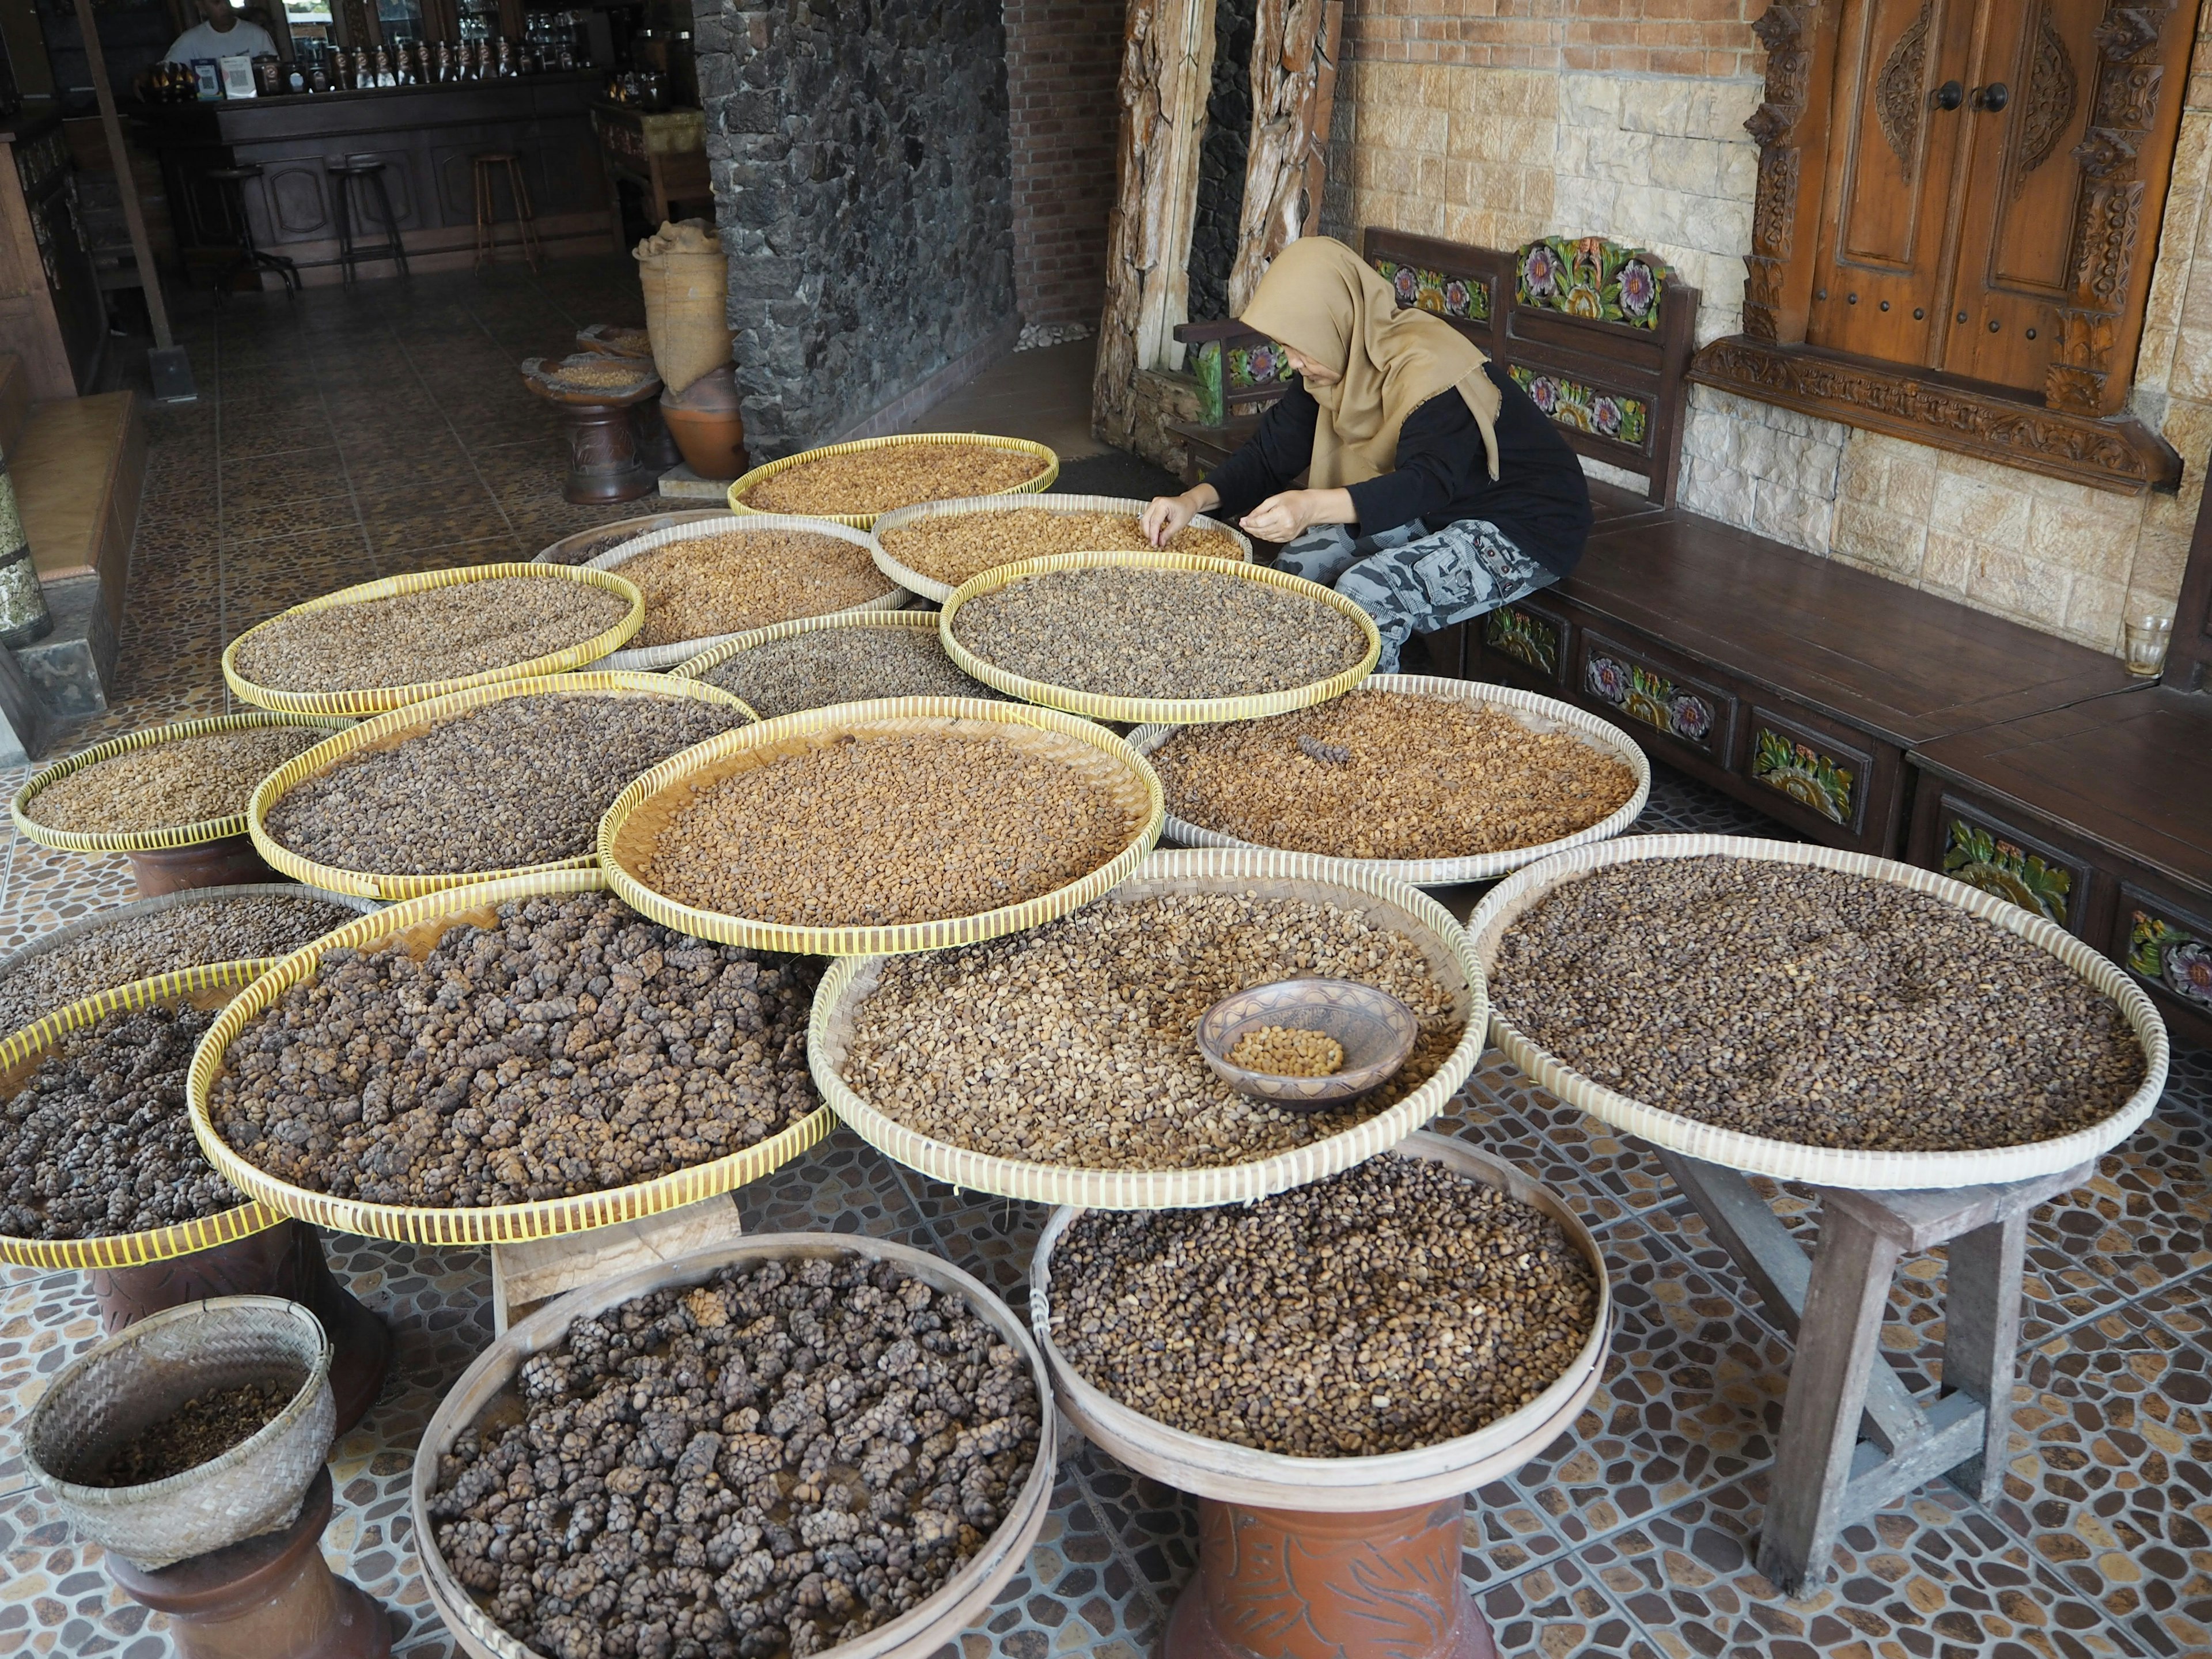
pixel 1435 491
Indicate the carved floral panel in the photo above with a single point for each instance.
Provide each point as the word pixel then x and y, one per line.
pixel 1586 408
pixel 1525 636
pixel 1795 768
pixel 1463 297
pixel 1590 276
pixel 1644 694
pixel 1983 858
pixel 2174 957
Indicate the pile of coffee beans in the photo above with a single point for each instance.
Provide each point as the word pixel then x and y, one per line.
pixel 1389 774
pixel 774 1462
pixel 97 1142
pixel 199 1431
pixel 1288 1051
pixel 1144 632
pixel 871 831
pixel 844 664
pixel 1389 1308
pixel 1813 1006
pixel 1076 1043
pixel 170 784
pixel 864 481
pixel 431 634
pixel 955 546
pixel 523 781
pixel 736 580
pixel 568 1047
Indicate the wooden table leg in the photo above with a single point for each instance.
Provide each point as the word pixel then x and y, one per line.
pixel 1981 1333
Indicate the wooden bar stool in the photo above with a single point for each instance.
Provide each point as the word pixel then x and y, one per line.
pixel 231 182
pixel 1853 1438
pixel 486 168
pixel 363 174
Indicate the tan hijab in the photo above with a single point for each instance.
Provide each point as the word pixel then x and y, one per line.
pixel 1325 302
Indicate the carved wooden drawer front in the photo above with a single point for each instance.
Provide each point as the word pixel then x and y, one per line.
pixel 1638 687
pixel 2166 947
pixel 1819 773
pixel 1534 635
pixel 1985 853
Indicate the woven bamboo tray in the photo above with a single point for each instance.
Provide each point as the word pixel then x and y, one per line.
pixel 609 536
pixel 1784 1160
pixel 375 700
pixel 1403 908
pixel 706 662
pixel 937 591
pixel 423 921
pixel 210 986
pixel 1165 711
pixel 1047 464
pixel 386 730
pixel 146 841
pixel 631 825
pixel 659 657
pixel 1539 713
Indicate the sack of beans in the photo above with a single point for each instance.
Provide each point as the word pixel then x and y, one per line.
pixel 687 307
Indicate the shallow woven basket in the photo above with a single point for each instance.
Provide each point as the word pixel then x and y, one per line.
pixel 668 656
pixel 20 1054
pixel 706 662
pixel 1403 908
pixel 147 841
pixel 1785 1160
pixel 635 822
pixel 424 920
pixel 1539 713
pixel 387 730
pixel 614 535
pixel 375 700
pixel 144 1372
pixel 1047 464
pixel 1166 711
pixel 932 588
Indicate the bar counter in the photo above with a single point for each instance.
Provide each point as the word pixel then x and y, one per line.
pixel 427 137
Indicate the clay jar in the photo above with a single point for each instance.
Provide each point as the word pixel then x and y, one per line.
pixel 704 420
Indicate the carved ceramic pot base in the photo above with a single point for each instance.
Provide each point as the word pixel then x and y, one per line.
pixel 230 862
pixel 1290 1584
pixel 270 1597
pixel 604 463
pixel 287 1260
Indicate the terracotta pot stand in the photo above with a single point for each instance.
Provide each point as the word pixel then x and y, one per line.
pixel 270 1597
pixel 604 463
pixel 1293 1584
pixel 287 1260
pixel 232 861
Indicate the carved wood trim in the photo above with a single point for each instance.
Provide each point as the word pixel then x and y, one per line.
pixel 2120 454
pixel 1799 36
pixel 1294 58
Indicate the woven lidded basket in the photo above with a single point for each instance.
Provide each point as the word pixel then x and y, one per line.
pixel 375 700
pixel 937 591
pixel 633 823
pixel 415 717
pixel 1784 1160
pixel 1404 909
pixel 1165 711
pixel 1048 467
pixel 1536 711
pixel 144 1372
pixel 584 545
pixel 659 657
pixel 147 841
pixel 22 1052
pixel 421 921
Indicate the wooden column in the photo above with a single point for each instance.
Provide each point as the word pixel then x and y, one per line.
pixel 1294 52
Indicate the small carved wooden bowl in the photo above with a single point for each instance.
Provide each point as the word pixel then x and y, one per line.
pixel 1374 1030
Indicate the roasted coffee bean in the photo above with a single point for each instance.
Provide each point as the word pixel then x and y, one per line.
pixel 826 665
pixel 864 481
pixel 955 546
pixel 736 580
pixel 171 784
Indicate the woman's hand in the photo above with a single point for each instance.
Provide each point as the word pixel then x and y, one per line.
pixel 1169 515
pixel 1283 518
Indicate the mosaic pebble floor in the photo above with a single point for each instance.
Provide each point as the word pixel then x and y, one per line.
pixel 352 434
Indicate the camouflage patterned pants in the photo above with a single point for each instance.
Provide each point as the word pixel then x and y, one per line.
pixel 1413 581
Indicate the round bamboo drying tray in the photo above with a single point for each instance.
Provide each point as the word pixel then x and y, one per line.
pixel 1784 1160
pixel 424 920
pixel 375 700
pixel 1232 1474
pixel 631 825
pixel 144 841
pixel 1048 463
pixel 708 661
pixel 609 536
pixel 1165 711
pixel 210 986
pixel 937 591
pixel 386 730
pixel 1537 712
pixel 1402 908
pixel 659 657
pixel 923 1629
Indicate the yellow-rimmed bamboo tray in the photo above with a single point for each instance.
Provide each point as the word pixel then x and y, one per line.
pixel 149 841
pixel 659 658
pixel 210 986
pixel 634 822
pixel 375 700
pixel 386 730
pixel 706 662
pixel 1048 465
pixel 1162 711
pixel 423 921
pixel 609 536
pixel 1540 713
pixel 938 591
pixel 1400 906
pixel 1785 1160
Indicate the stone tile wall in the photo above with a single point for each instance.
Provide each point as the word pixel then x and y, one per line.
pixel 1063 67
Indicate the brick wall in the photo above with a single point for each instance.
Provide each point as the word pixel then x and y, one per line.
pixel 1063 64
pixel 1621 36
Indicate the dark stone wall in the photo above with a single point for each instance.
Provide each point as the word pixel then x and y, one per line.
pixel 861 186
pixel 1213 227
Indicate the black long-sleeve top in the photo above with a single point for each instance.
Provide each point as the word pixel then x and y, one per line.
pixel 1539 497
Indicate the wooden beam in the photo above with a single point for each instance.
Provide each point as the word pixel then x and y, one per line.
pixel 1294 55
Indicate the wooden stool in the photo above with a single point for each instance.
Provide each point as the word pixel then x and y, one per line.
pixel 231 185
pixel 1826 1476
pixel 364 174
pixel 485 167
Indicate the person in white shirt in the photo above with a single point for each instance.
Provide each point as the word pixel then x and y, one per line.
pixel 224 34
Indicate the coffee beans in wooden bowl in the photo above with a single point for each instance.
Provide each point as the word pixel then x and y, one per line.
pixel 952 547
pixel 168 785
pixel 732 580
pixel 862 481
pixel 824 666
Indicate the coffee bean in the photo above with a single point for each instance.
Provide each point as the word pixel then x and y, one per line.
pixel 170 784
pixel 955 546
pixel 844 664
pixel 735 581
pixel 199 1431
pixel 864 481
pixel 1288 1051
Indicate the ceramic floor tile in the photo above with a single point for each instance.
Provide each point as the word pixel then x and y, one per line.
pixel 1561 1611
